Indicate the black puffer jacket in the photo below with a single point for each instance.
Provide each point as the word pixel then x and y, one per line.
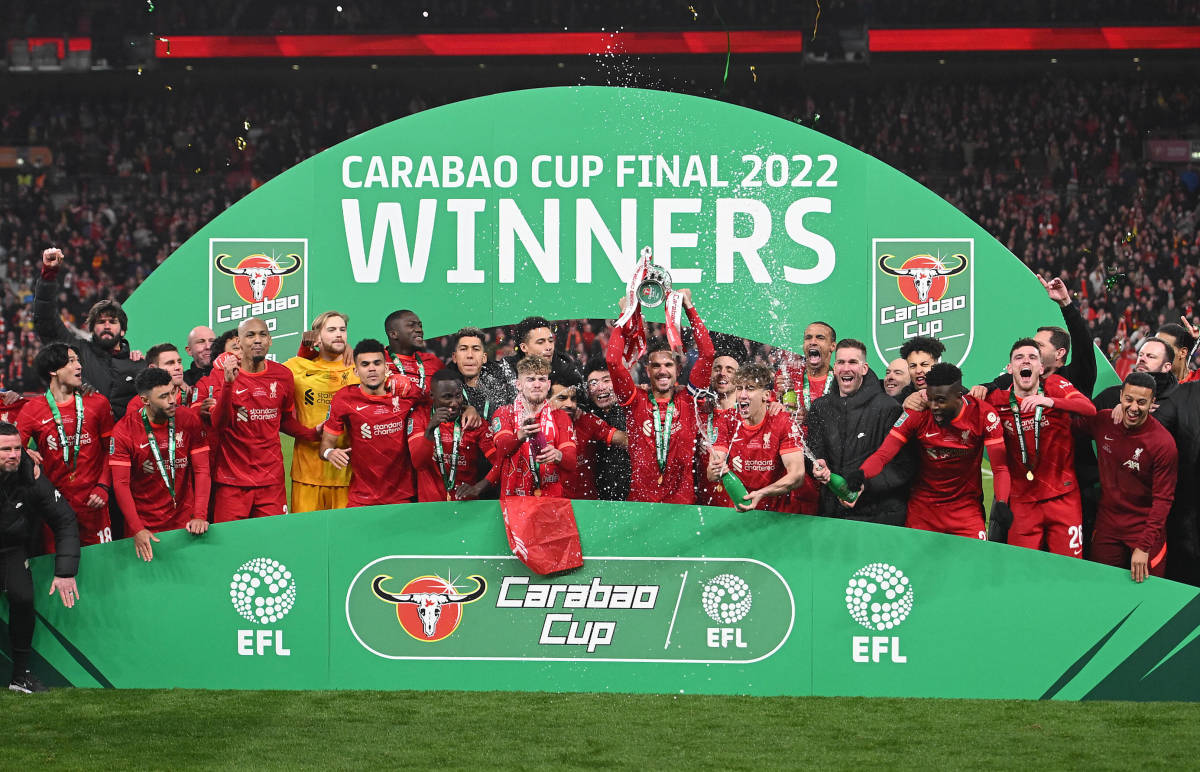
pixel 111 373
pixel 845 431
pixel 26 503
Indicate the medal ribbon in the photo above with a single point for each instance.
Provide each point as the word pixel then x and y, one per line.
pixel 448 478
pixel 1037 432
pixel 168 479
pixel 487 403
pixel 662 439
pixel 420 369
pixel 804 380
pixel 70 454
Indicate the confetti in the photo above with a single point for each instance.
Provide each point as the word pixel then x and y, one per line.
pixel 170 87
pixel 1113 280
pixel 695 15
pixel 241 143
pixel 246 125
pixel 728 45
pixel 753 74
pixel 139 71
pixel 168 42
pixel 817 19
pixel 196 170
pixel 149 6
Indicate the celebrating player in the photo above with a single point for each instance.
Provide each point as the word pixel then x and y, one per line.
pixel 373 416
pixel 468 357
pixel 612 461
pixel 450 460
pixel 921 353
pixel 662 424
pixel 1138 467
pixel 762 449
pixel 71 430
pixel 591 435
pixel 406 348
pixel 159 465
pixel 254 405
pixel 952 433
pixel 1036 415
pixel 811 381
pixel 535 445
pixel 897 379
pixel 316 484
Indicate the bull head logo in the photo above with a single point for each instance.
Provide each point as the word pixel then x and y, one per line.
pixel 258 273
pixel 923 277
pixel 429 604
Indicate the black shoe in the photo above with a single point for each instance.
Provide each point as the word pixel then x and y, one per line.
pixel 26 683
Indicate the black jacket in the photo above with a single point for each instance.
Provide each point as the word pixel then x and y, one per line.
pixel 845 431
pixel 499 378
pixel 110 373
pixel 26 503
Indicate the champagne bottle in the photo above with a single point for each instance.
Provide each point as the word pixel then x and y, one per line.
pixel 734 487
pixel 838 485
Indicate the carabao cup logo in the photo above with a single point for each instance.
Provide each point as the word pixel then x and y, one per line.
pixel 429 608
pixel 923 287
pixel 257 277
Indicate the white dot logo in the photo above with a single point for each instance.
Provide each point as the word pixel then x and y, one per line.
pixel 726 599
pixel 262 591
pixel 879 596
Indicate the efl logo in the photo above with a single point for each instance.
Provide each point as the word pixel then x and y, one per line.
pixel 879 596
pixel 263 278
pixel 429 608
pixel 262 591
pixel 923 287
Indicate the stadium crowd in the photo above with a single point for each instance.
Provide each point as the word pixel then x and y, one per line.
pixel 1072 197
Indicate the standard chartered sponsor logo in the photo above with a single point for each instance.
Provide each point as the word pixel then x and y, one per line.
pixel 726 599
pixel 879 596
pixel 262 591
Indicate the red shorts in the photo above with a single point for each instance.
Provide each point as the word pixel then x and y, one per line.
pixel 961 521
pixel 1111 551
pixel 1056 524
pixel 233 502
pixel 95 527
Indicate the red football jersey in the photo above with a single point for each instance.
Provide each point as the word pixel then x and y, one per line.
pixel 76 479
pixel 590 432
pixel 950 474
pixel 755 452
pixel 711 493
pixel 248 415
pixel 1053 460
pixel 419 367
pixel 9 413
pixel 131 448
pixel 381 471
pixel 518 476
pixel 673 483
pixel 473 446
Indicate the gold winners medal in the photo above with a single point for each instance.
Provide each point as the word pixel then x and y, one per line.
pixel 537 492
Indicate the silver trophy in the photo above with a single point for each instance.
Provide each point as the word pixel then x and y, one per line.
pixel 653 289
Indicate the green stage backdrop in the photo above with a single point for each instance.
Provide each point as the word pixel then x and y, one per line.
pixel 670 599
pixel 539 202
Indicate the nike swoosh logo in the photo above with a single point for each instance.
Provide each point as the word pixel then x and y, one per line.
pixel 360 407
pixel 1105 437
pixel 240 391
pixel 47 420
pixel 143 445
pixel 931 434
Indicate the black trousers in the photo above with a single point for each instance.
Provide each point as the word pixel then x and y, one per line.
pixel 17 583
